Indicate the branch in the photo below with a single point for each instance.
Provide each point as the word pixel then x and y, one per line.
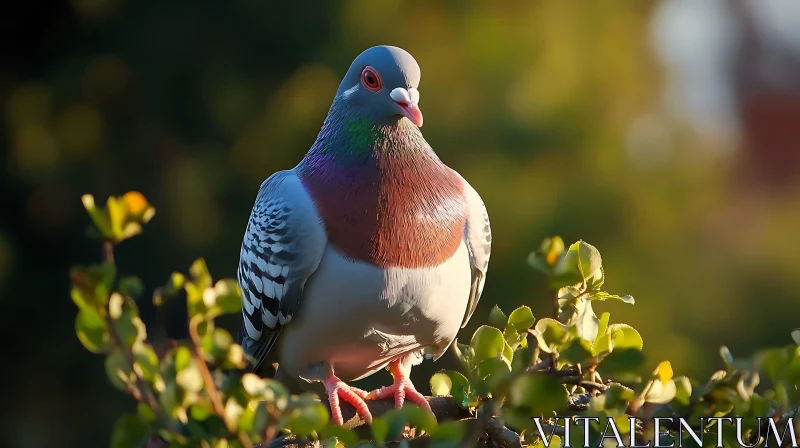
pixel 498 435
pixel 208 381
pixel 444 408
pixel 143 390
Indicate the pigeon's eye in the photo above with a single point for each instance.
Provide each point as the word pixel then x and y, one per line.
pixel 371 79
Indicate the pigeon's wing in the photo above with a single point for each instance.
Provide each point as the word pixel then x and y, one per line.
pixel 282 247
pixel 478 236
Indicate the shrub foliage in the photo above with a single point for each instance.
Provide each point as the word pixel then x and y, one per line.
pixel 571 364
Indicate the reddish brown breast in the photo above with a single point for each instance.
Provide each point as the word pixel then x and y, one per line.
pixel 396 212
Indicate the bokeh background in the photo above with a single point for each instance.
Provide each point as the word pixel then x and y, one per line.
pixel 663 132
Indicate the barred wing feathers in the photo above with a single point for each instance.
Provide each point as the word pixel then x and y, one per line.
pixel 282 247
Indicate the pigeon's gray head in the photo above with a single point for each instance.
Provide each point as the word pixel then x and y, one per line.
pixel 382 82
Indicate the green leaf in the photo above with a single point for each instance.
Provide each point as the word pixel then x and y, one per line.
pixel 131 286
pixel 759 406
pixel 508 353
pixel 172 399
pixel 232 413
pixel 584 321
pixel 253 384
pixel 618 336
pixel 603 344
pixel 183 356
pixel 346 436
pixel 602 327
pixel 726 356
pixel 308 417
pixel 627 299
pixel 98 215
pixel 523 358
pixel 625 336
pixel 247 420
pixel 126 321
pixel 487 342
pixel 200 276
pixel 568 296
pixel 514 338
pixel 417 417
pixel 255 418
pixel 565 272
pixel 201 411
pixel 595 282
pixel 577 351
pixel 129 432
pixel 746 386
pixel 774 362
pixel 624 361
pixel 617 395
pixel 92 285
pixel 195 305
pixel 660 392
pixel 131 229
pixel 396 422
pixel 548 254
pixel 190 378
pixel 589 260
pixel 521 319
pixel 116 213
pixel 493 366
pixel 551 333
pixel 145 360
pixel 229 296
pixel 460 388
pixel 683 390
pixel 131 329
pixel 380 429
pixel 461 352
pixel 236 357
pixel 145 412
pixel 92 330
pixel 538 394
pixel 217 345
pixel 497 318
pixel 118 370
pixel 441 384
pixel 552 248
pixel 276 394
pixel 602 295
pixel 449 433
pixel 115 303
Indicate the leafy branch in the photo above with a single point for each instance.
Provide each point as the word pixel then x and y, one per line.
pixel 570 365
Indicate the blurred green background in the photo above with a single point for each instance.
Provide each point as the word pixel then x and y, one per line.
pixel 666 134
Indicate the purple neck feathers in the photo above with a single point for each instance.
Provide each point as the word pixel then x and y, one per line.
pixel 383 194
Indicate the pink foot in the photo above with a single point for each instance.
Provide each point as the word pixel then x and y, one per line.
pixel 402 388
pixel 336 389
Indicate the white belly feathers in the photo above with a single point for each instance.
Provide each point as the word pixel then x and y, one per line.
pixel 357 317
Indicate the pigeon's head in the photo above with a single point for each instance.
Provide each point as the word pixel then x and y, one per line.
pixel 382 82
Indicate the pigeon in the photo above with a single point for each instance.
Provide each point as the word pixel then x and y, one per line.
pixel 371 253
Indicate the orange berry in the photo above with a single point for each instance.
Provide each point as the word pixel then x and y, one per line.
pixel 136 202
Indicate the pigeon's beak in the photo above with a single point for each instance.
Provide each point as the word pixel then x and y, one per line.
pixel 407 100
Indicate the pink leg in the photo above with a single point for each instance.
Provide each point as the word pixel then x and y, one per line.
pixel 402 387
pixel 336 389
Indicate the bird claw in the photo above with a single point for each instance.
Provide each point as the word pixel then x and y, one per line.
pixel 337 389
pixel 401 390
